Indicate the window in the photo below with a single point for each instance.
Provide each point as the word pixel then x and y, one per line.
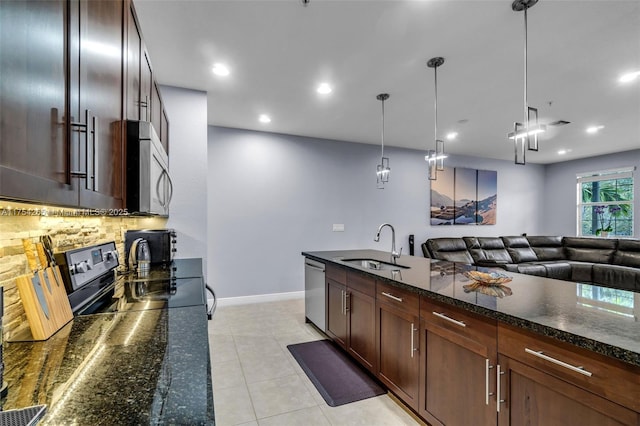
pixel 605 203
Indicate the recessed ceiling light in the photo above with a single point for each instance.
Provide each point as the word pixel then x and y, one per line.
pixel 630 76
pixel 221 70
pixel 264 118
pixel 594 129
pixel 452 135
pixel 563 151
pixel 324 88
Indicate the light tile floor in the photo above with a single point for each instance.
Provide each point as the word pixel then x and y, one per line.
pixel 256 381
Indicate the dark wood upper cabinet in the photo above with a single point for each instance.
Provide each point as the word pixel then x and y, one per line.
pixel 34 152
pixel 95 101
pixel 70 71
pixel 133 105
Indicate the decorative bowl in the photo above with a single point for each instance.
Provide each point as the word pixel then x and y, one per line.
pixel 488 278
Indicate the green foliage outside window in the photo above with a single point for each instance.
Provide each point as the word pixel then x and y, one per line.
pixel 606 205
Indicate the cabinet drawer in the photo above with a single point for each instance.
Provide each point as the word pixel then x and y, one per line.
pixel 335 273
pixel 477 331
pixel 612 379
pixel 361 283
pixel 395 296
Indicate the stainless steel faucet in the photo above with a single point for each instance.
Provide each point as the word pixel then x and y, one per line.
pixel 394 254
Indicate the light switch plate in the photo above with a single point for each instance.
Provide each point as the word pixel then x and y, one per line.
pixel 338 227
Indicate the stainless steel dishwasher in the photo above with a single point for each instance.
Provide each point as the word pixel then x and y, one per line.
pixel 315 293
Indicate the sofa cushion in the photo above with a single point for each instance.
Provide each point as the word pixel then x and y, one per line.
pixel 450 249
pixel 628 253
pixel 532 269
pixel 519 249
pixel 623 277
pixel 595 250
pixel 547 247
pixel 557 270
pixel 487 248
pixel 581 272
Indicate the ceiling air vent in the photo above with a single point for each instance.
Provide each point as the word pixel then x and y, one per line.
pixel 559 123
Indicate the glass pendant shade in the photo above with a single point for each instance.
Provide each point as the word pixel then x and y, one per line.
pixel 382 170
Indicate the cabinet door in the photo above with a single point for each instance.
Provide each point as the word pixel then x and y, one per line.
pixel 164 131
pixel 456 376
pixel 34 154
pixel 132 66
pixel 156 112
pixel 336 312
pixel 398 362
pixel 361 342
pixel 146 84
pixel 96 85
pixel 533 397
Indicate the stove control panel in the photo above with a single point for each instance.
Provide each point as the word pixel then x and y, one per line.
pixel 86 264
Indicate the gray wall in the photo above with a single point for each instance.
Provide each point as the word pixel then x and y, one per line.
pixel 187 110
pixel 273 196
pixel 560 198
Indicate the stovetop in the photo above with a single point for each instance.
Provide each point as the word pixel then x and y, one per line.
pixel 176 285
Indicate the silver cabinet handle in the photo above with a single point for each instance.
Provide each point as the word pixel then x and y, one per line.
pixel 498 400
pixel 487 394
pixel 95 134
pixel 413 347
pixel 342 302
pixel 347 302
pixel 444 317
pixel 540 354
pixel 314 267
pixel 391 296
pixel 88 157
pixel 77 127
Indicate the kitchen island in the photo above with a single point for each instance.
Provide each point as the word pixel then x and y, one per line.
pixel 545 347
pixel 135 367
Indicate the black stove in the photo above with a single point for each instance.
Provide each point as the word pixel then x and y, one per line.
pixel 96 285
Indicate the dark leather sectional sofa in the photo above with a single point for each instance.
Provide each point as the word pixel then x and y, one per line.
pixel 603 261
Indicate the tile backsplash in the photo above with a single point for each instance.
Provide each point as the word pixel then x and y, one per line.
pixel 67 231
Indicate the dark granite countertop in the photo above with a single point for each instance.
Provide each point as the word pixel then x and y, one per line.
pixel 132 367
pixel 558 309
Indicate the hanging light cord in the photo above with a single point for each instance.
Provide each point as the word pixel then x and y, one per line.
pixel 435 132
pixel 382 152
pixel 526 103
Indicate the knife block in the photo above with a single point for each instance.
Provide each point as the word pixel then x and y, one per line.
pixel 41 305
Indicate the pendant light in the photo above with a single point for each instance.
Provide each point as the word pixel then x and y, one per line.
pixel 525 134
pixel 435 158
pixel 382 170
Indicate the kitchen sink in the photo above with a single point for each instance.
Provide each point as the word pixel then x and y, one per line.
pixel 374 264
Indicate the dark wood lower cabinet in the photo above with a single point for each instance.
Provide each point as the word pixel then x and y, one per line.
pixel 361 342
pixel 533 397
pixel 336 313
pixel 457 366
pixel 398 362
pixel 454 367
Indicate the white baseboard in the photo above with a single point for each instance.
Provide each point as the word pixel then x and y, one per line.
pixel 260 298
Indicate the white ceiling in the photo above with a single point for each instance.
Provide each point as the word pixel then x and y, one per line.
pixel 279 51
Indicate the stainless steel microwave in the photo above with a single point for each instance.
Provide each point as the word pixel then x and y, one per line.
pixel 149 186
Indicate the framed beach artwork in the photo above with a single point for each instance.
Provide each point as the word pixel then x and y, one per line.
pixel 462 196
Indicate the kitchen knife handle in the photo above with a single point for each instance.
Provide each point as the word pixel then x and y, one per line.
pixel 42 256
pixel 29 251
